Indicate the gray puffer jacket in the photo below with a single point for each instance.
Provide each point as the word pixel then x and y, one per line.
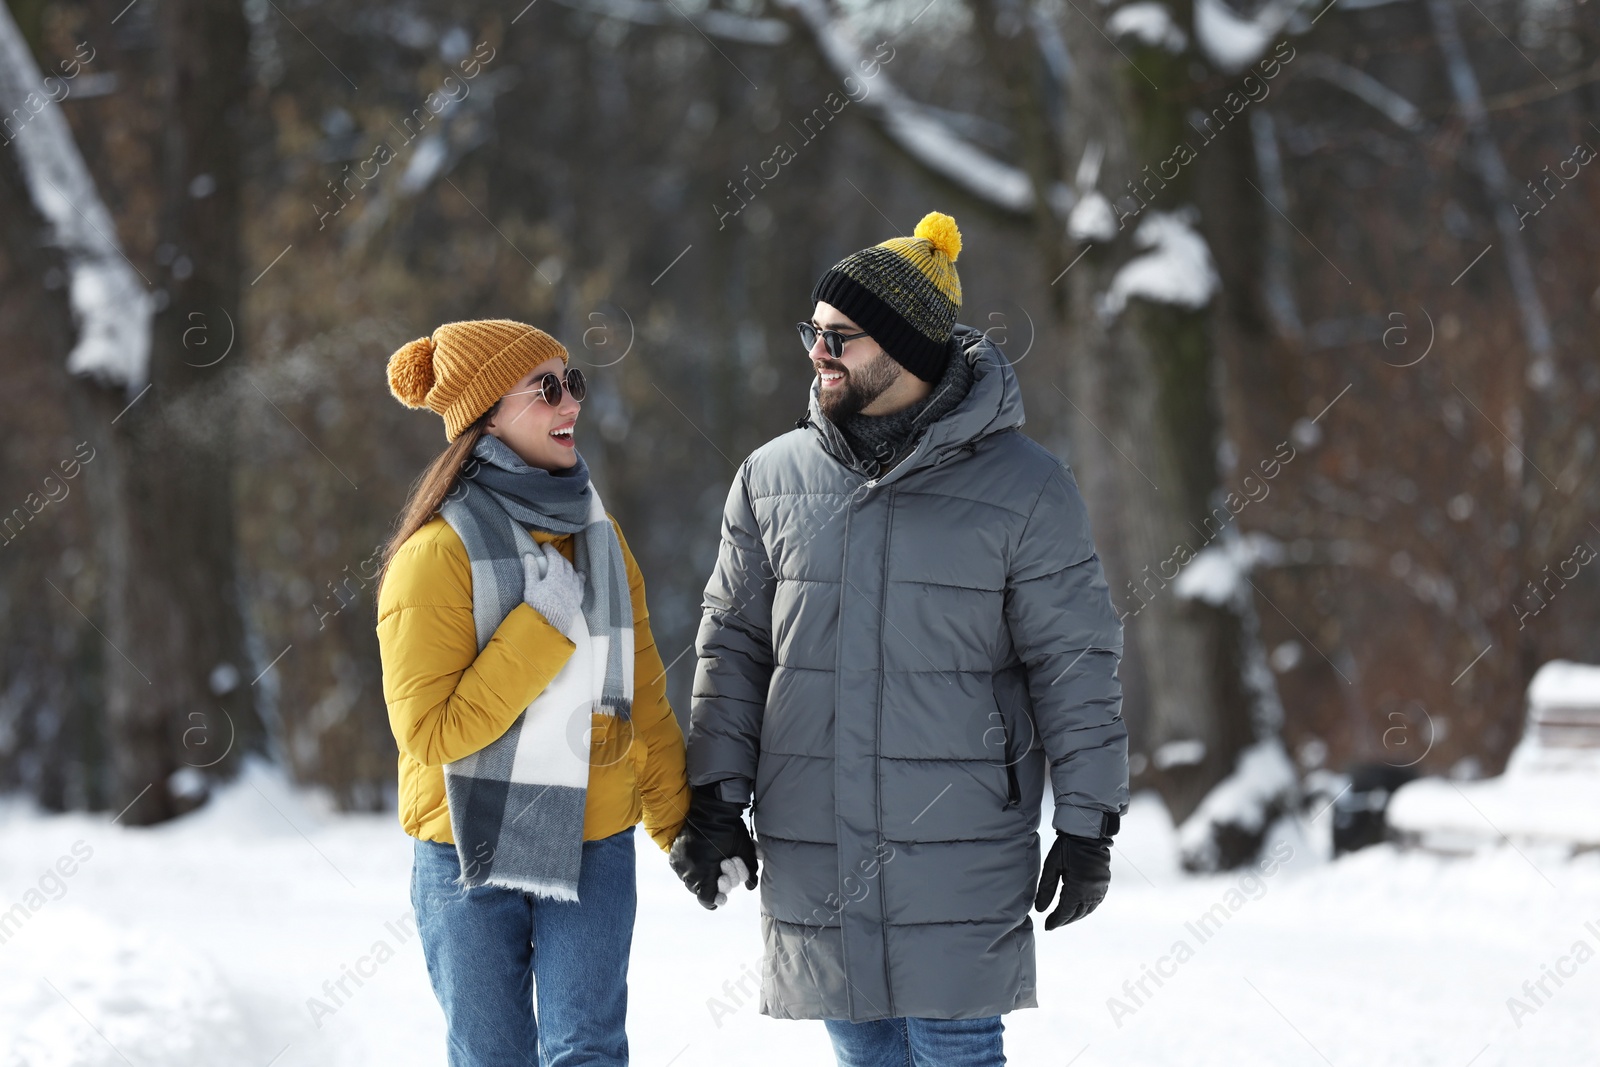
pixel 896 662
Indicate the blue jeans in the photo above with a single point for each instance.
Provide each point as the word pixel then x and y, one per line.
pixel 491 951
pixel 918 1042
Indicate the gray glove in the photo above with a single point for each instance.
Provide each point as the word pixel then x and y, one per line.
pixel 551 586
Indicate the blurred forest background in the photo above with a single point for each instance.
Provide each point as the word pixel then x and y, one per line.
pixel 1305 293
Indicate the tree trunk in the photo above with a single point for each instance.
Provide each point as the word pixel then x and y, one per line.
pixel 1145 429
pixel 178 683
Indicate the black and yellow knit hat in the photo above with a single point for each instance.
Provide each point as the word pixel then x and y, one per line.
pixel 904 292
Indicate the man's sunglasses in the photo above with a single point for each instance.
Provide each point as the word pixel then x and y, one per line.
pixel 832 340
pixel 548 387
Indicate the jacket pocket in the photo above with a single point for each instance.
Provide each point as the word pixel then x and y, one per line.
pixel 1015 732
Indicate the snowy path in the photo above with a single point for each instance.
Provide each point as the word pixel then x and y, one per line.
pixel 203 942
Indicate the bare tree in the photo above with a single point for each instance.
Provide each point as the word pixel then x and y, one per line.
pixel 177 680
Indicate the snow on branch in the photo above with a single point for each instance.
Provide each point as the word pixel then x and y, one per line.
pixel 711 22
pixel 1177 268
pixel 1092 219
pixel 914 128
pixel 1219 573
pixel 112 308
pixel 1151 23
pixel 1231 41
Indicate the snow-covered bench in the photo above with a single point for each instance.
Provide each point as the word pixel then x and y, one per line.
pixel 1549 793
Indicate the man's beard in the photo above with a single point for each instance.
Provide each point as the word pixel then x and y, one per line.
pixel 861 386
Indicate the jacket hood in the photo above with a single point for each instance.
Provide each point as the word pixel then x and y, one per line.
pixel 993 404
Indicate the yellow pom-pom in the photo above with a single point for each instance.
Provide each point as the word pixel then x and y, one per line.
pixel 411 372
pixel 941 230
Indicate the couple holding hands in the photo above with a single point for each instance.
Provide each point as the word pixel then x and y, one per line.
pixel 906 638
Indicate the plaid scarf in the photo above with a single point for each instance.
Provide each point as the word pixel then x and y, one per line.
pixel 516 806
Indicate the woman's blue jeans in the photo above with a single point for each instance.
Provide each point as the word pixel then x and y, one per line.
pixel 919 1042
pixel 494 953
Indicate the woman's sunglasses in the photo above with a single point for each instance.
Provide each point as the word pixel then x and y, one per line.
pixel 832 340
pixel 548 387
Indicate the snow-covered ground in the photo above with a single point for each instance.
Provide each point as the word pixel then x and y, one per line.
pixel 210 941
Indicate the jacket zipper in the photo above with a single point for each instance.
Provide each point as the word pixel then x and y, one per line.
pixel 844 570
pixel 883 604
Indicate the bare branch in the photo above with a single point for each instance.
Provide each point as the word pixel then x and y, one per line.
pixel 1277 278
pixel 1396 108
pixel 1491 170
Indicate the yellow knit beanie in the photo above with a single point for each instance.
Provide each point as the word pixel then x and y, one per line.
pixel 465 367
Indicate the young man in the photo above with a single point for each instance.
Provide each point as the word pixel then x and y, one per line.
pixel 906 629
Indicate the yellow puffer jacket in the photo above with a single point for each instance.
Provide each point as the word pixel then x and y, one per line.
pixel 447 700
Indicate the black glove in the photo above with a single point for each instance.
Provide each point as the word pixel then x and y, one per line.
pixel 1083 867
pixel 713 832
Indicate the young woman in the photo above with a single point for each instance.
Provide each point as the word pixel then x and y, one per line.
pixel 529 704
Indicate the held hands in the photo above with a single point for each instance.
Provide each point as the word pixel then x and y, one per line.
pixel 1082 866
pixel 714 851
pixel 551 586
pixel 733 872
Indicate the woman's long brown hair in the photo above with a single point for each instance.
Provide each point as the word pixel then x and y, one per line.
pixel 430 489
